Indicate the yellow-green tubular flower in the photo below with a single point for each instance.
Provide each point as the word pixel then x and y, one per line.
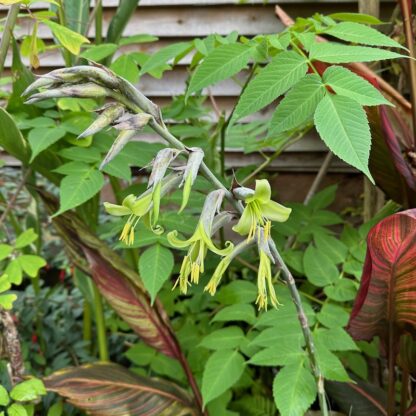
pixel 109 114
pixel 264 276
pixel 260 210
pixel 199 243
pixel 160 163
pixel 141 207
pixel 196 155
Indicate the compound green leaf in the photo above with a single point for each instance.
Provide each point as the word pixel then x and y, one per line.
pixel 345 82
pixel 335 339
pixel 224 338
pixel 319 268
pixel 238 312
pixel 28 390
pixel 222 370
pixel 298 105
pixel 222 63
pixel 337 53
pixel 343 126
pixel 356 17
pixel 278 355
pixel 358 33
pixel 294 390
pixel 41 138
pixel 284 71
pixel 155 267
pixel 78 188
pixel 331 246
pixel 330 364
pixel 31 264
pixel 5 251
pixel 24 239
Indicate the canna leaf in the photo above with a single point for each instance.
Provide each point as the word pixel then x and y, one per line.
pixel 222 63
pixel 385 303
pixel 337 53
pixel 105 389
pixel 284 71
pixel 342 124
pixel 345 82
pixel 358 33
pixel 298 105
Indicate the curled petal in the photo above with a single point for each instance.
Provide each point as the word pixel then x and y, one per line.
pixel 178 243
pixel 262 192
pixel 229 246
pixel 275 212
pixel 116 210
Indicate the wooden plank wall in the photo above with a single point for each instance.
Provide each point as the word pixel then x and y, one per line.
pixel 174 20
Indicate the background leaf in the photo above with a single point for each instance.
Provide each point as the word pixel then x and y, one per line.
pixel 41 138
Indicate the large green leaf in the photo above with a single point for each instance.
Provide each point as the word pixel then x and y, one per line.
pixel 124 11
pixel 238 312
pixel 294 389
pixel 342 124
pixel 223 339
pixel 11 140
pixel 358 33
pixel 385 304
pixel 337 53
pixel 284 71
pixel 155 267
pixel 77 188
pixel 344 82
pixel 283 355
pixel 222 63
pixel 41 138
pixel 298 105
pixel 67 38
pixel 222 370
pixel 319 268
pixel 105 389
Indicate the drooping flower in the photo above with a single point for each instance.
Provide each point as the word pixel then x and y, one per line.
pixel 199 243
pixel 264 275
pixel 140 207
pixel 260 210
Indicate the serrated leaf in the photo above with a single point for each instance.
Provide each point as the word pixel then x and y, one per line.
pixel 298 105
pixel 238 291
pixel 224 338
pixel 271 337
pixel 89 155
pixel 330 364
pixel 31 264
pixel 358 33
pixel 294 390
pixel 333 316
pixel 343 290
pixel 356 17
pixel 72 168
pixel 162 56
pixel 155 267
pixel 345 82
pixel 222 370
pixel 319 268
pixel 113 390
pixel 41 138
pixel 343 126
pixel 78 188
pixel 238 312
pixel 284 71
pixel 279 355
pixel 222 63
pixel 67 38
pixel 331 246
pixel 337 53
pixel 99 52
pixel 335 339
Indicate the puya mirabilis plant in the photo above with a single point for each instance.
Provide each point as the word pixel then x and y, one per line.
pixel 131 111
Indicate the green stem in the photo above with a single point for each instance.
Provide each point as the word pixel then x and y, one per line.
pixel 7 33
pixel 87 323
pixel 98 22
pixel 100 325
pixel 65 53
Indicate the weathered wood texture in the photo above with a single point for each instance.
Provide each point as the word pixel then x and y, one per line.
pixel 175 20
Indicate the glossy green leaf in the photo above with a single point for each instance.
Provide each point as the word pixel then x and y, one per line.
pixel 155 267
pixel 17 409
pixel 115 391
pixel 358 33
pixel 78 188
pixel 330 364
pixel 284 71
pixel 27 237
pixel 294 389
pixel 298 105
pixel 343 126
pixel 224 338
pixel 319 268
pixel 41 138
pixel 337 53
pixel 343 290
pixel 222 63
pixel 222 370
pixel 335 339
pixel 345 82
pixel 332 316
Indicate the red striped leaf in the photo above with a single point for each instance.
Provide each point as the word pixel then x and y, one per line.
pixel 106 389
pixel 386 301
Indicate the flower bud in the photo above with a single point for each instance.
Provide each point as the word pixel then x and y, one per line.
pixel 211 206
pixel 110 113
pixel 133 122
pixel 50 80
pixel 122 139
